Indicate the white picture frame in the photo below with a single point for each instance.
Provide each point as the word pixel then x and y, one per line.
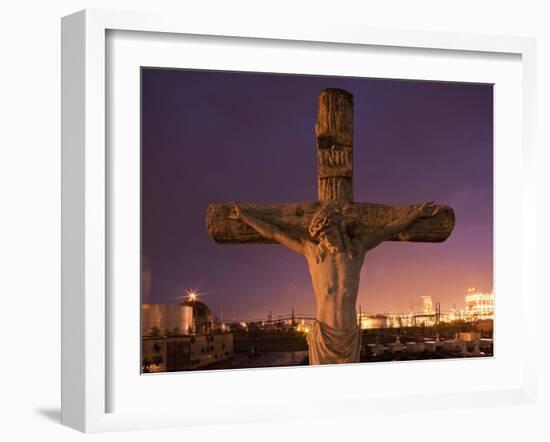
pixel 86 204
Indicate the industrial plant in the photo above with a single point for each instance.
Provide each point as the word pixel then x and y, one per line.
pixel 185 336
pixel 188 336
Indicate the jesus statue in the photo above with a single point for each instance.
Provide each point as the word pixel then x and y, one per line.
pixel 334 257
pixel 334 233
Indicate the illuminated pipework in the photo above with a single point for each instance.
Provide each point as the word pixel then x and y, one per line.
pixel 479 305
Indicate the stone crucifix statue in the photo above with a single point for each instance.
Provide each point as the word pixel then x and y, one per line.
pixel 333 234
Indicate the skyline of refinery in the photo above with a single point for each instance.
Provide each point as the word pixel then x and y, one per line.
pixel 478 305
pixel 187 336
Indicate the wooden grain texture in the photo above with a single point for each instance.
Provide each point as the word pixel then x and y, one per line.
pixel 361 218
pixel 334 131
pixel 334 118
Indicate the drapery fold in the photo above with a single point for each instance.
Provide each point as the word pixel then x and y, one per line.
pixel 328 345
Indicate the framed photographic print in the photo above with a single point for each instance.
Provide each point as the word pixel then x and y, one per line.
pixel 250 211
pixel 208 308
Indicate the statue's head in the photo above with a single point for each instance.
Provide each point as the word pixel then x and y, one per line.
pixel 327 227
pixel 325 222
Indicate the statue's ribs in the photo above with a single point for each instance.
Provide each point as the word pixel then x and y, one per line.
pixel 361 218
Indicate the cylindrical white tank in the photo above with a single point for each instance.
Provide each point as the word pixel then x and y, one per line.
pixel 166 319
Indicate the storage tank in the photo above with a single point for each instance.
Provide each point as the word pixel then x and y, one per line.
pixel 166 319
pixel 201 316
pixel 187 319
pixel 150 319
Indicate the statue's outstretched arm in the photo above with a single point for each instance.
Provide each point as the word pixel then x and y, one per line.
pixel 394 227
pixel 267 230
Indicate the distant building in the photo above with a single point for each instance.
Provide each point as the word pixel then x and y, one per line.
pixel 479 305
pixel 184 336
pixel 367 321
pixel 427 305
pixel 399 320
pixel 425 320
pixel 188 318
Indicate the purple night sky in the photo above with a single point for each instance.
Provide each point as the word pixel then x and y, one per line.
pixel 216 137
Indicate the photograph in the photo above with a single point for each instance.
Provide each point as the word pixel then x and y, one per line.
pixel 232 221
pixel 294 220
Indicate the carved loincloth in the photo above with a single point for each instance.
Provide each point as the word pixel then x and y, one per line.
pixel 328 345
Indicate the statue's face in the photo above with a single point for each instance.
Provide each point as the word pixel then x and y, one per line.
pixel 330 236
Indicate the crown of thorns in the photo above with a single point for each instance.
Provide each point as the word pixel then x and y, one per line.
pixel 322 219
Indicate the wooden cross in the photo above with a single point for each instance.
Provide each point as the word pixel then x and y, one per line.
pixel 334 132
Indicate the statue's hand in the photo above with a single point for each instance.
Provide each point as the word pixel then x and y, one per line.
pixel 234 211
pixel 427 210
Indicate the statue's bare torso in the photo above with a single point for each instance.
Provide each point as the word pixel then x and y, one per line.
pixel 335 282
